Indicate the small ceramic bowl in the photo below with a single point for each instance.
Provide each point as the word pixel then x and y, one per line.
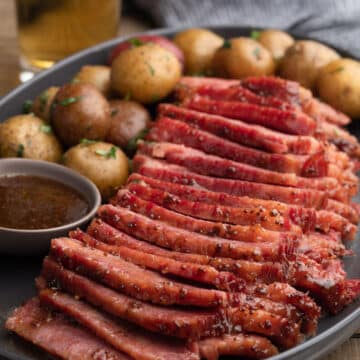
pixel 36 242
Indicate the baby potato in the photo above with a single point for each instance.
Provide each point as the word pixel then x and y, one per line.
pixel 198 46
pixel 303 60
pixel 276 41
pixel 242 57
pixel 80 111
pixel 128 120
pixel 30 137
pixel 41 106
pixel 98 75
pixel 338 84
pixel 147 73
pixel 103 163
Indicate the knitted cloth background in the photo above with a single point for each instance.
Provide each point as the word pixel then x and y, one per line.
pixel 336 22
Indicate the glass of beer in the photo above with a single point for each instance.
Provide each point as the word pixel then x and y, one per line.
pixel 49 30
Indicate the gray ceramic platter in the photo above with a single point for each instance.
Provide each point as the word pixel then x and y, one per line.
pixel 17 274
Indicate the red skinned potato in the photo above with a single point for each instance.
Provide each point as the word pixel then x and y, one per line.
pixel 143 39
pixel 80 111
pixel 129 119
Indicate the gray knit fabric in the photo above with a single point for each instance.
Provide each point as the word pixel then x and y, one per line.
pixel 336 22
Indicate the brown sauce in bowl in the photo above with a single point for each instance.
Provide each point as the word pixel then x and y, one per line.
pixel 34 202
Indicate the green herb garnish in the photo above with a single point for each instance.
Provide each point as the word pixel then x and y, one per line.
pixel 114 112
pixel 135 42
pixel 257 53
pixel 87 141
pixel 130 166
pixel 199 74
pixel 132 144
pixel 26 108
pixel 75 81
pixel 47 129
pixel 69 100
pixel 20 151
pixel 107 154
pixel 127 96
pixel 151 69
pixel 227 44
pixel 255 34
pixel 155 98
pixel 43 100
pixel 339 69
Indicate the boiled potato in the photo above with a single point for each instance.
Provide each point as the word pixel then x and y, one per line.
pixel 98 75
pixel 303 60
pixel 80 111
pixel 41 106
pixel 28 136
pixel 276 41
pixel 128 120
pixel 198 46
pixel 338 84
pixel 103 163
pixel 242 57
pixel 147 73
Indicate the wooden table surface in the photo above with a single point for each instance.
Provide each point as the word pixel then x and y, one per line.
pixel 9 79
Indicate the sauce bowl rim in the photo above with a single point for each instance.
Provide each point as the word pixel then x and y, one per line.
pixel 92 188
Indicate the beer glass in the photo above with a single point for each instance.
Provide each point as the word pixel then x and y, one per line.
pixel 49 30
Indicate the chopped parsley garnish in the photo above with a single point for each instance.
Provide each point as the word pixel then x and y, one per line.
pixel 227 44
pixel 20 151
pixel 47 129
pixel 255 34
pixel 43 100
pixel 155 98
pixel 132 144
pixel 199 74
pixel 75 81
pixel 135 42
pixel 87 141
pixel 107 153
pixel 69 100
pixel 27 106
pixel 257 53
pixel 151 69
pixel 337 70
pixel 114 112
pixel 130 165
pixel 127 96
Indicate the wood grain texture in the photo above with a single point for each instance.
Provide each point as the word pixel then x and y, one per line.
pixel 350 350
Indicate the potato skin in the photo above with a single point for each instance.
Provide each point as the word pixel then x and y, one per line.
pixel 128 119
pixel 29 137
pixel 276 41
pixel 107 172
pixel 148 73
pixel 198 46
pixel 338 84
pixel 98 75
pixel 42 103
pixel 242 57
pixel 80 111
pixel 303 60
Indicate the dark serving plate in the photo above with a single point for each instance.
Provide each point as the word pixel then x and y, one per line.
pixel 17 274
